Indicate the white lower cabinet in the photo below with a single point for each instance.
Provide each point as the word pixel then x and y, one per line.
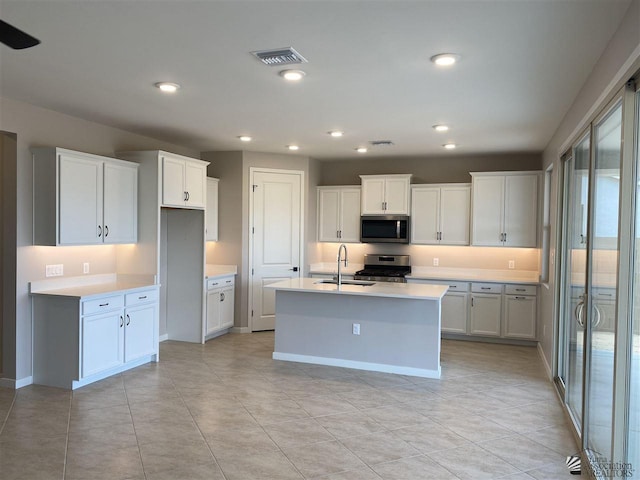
pixel 139 326
pixel 488 309
pixel 220 305
pixel 102 342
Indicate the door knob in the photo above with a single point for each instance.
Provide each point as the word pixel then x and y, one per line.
pixel 295 269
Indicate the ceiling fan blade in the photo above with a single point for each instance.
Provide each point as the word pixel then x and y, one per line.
pixel 14 38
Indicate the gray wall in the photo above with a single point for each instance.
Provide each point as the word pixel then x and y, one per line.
pixel 38 127
pixel 440 169
pixel 619 61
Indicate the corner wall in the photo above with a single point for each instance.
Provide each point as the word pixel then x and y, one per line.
pixel 39 127
pixel 619 61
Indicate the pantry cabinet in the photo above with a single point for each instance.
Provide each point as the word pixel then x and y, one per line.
pixel 440 214
pixel 385 194
pixel 83 199
pixel 211 212
pixel 184 182
pixel 505 209
pixel 339 214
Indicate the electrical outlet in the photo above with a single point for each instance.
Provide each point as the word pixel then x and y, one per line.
pixel 356 329
pixel 85 267
pixel 54 270
pixel 436 261
pixel 512 264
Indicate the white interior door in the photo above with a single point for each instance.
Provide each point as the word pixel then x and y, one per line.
pixel 276 229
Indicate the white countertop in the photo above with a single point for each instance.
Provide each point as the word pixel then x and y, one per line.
pixel 89 286
pixel 378 289
pixel 213 271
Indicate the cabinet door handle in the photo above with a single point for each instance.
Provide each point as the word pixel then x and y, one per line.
pixel 222 297
pixel 188 196
pixel 472 301
pixel 185 196
pixel 505 237
pixel 128 320
pixel 104 304
pixel 106 231
pixel 121 321
pixel 99 231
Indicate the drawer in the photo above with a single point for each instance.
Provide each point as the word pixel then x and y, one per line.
pixel 520 289
pixel 213 283
pixel 456 286
pixel 486 288
pixel 145 296
pixel 104 304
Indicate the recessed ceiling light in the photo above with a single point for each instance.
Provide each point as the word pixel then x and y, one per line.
pixel 361 149
pixel 441 128
pixel 245 138
pixel 167 87
pixel 336 133
pixel 293 147
pixel 449 146
pixel 292 75
pixel 445 59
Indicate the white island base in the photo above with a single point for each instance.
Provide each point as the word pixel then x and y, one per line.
pixel 398 333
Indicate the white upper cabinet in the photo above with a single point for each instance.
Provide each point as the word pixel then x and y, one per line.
pixel 440 214
pixel 385 194
pixel 184 182
pixel 211 212
pixel 338 214
pixel 505 209
pixel 83 199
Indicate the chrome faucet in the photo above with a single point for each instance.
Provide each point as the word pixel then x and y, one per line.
pixel 346 262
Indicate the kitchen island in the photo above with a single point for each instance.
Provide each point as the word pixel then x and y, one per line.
pixel 383 327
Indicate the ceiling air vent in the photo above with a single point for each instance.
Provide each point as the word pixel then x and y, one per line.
pixel 280 56
pixel 381 143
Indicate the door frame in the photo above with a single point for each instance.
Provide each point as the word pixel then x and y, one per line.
pixel 301 251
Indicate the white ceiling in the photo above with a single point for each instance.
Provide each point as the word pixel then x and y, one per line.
pixel 369 74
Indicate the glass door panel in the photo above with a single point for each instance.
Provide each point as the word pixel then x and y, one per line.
pixel 576 175
pixel 603 279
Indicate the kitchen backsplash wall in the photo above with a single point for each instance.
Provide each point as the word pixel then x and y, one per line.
pixel 494 258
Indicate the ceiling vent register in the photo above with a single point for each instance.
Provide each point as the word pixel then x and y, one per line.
pixel 280 56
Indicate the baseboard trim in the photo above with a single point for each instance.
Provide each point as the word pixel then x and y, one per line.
pixel 163 338
pixel 547 368
pixel 375 367
pixel 23 382
pixel 240 330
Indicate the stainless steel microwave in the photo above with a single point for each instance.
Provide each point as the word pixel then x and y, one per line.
pixel 384 229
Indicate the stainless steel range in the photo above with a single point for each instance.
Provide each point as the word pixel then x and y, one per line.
pixel 384 268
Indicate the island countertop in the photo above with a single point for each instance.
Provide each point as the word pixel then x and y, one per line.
pixel 378 289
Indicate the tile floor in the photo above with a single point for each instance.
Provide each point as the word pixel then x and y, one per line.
pixel 226 410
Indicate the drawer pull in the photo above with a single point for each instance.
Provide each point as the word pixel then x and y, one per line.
pixel 453 286
pixel 605 294
pixel 142 298
pixel 214 284
pixel 104 304
pixel 228 281
pixel 485 288
pixel 521 290
pixel 520 298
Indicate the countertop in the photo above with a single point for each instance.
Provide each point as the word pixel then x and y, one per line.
pixel 379 289
pixel 213 271
pixel 89 286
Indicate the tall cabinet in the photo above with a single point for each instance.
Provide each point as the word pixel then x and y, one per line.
pixel 505 209
pixel 172 238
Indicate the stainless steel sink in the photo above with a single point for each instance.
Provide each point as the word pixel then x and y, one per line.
pixel 362 283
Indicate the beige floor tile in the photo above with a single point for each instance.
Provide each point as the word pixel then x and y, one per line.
pixel 82 419
pixel 522 453
pixel 298 432
pixel 239 442
pixel 210 471
pixel 325 405
pixel 396 416
pixel 346 425
pixel 430 437
pixel 322 459
pixel 264 466
pixel 528 418
pixel 557 437
pixel 170 430
pixel 368 397
pixel 475 427
pixel 364 473
pixel 104 464
pixel 413 468
pixel 379 447
pixel 276 411
pixel 471 462
pixel 556 471
pixel 121 435
pixel 170 455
